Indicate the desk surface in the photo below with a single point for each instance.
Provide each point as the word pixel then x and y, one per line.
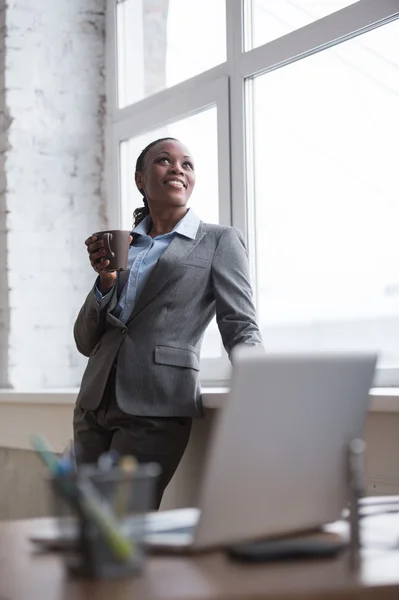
pixel 25 575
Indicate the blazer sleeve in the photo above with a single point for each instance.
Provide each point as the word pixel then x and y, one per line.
pixel 235 311
pixel 90 323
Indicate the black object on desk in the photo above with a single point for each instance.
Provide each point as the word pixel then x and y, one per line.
pixel 313 545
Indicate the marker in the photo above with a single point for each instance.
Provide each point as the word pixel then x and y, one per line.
pixel 127 465
pixel 55 466
pixel 45 452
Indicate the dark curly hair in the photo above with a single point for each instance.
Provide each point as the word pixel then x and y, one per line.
pixel 143 211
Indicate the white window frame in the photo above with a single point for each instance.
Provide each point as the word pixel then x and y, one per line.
pixel 228 86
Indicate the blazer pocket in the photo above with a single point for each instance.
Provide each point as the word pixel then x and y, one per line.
pixel 196 262
pixel 176 357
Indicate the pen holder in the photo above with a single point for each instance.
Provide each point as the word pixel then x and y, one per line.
pixel 103 514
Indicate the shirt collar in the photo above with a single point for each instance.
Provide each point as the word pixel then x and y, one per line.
pixel 187 226
pixel 143 227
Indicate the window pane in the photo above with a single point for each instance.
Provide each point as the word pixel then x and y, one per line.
pixel 199 134
pixel 271 19
pixel 161 43
pixel 326 197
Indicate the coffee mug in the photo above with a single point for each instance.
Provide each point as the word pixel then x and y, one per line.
pixel 116 245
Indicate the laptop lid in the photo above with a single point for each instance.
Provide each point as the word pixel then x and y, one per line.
pixel 277 461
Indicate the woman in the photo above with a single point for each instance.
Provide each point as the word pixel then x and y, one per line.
pixel 143 330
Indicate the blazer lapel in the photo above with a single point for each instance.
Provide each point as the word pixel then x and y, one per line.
pixel 177 250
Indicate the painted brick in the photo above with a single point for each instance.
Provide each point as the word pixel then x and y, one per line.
pixel 52 93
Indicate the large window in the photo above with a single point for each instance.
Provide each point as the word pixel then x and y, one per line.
pixel 325 133
pixel 291 111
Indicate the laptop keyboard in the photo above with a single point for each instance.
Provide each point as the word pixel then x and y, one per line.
pixel 186 530
pixel 181 521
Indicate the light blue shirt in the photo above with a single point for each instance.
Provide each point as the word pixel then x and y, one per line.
pixel 143 256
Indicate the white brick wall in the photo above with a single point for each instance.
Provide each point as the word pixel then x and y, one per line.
pixel 4 122
pixel 54 95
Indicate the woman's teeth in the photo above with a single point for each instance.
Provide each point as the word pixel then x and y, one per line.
pixel 176 184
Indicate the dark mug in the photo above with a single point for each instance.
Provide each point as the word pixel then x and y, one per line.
pixel 116 246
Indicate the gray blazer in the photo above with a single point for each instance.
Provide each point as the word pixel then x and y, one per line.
pixel 157 352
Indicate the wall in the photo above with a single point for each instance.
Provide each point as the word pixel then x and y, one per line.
pixel 4 299
pixel 382 468
pixel 52 105
pixel 23 492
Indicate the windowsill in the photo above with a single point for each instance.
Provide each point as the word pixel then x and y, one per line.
pixel 385 400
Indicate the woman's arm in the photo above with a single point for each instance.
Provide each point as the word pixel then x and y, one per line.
pixel 235 311
pixel 90 323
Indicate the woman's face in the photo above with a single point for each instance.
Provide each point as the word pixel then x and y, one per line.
pixel 168 176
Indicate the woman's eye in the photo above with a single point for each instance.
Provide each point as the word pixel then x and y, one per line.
pixel 166 159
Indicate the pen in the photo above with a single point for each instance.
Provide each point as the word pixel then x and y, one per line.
pixel 356 451
pixel 127 466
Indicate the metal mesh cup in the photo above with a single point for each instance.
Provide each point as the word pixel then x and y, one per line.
pixel 103 515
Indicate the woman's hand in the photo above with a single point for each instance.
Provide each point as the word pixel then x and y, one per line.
pixel 99 262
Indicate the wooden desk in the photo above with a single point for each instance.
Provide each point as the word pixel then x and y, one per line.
pixel 28 576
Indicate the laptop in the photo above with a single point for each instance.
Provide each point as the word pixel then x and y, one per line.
pixel 277 460
pixel 276 464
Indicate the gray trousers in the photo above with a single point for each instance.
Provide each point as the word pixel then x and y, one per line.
pixel 150 439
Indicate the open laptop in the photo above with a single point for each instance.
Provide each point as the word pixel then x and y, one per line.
pixel 277 461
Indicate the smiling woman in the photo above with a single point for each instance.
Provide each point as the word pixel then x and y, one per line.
pixel 164 165
pixel 199 132
pixel 143 330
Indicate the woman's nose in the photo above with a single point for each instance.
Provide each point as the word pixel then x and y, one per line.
pixel 176 168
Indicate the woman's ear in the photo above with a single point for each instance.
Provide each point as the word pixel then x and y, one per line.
pixel 138 177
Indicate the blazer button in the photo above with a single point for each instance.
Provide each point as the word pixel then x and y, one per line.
pixel 124 331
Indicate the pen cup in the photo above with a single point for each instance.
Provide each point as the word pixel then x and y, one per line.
pixel 102 518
